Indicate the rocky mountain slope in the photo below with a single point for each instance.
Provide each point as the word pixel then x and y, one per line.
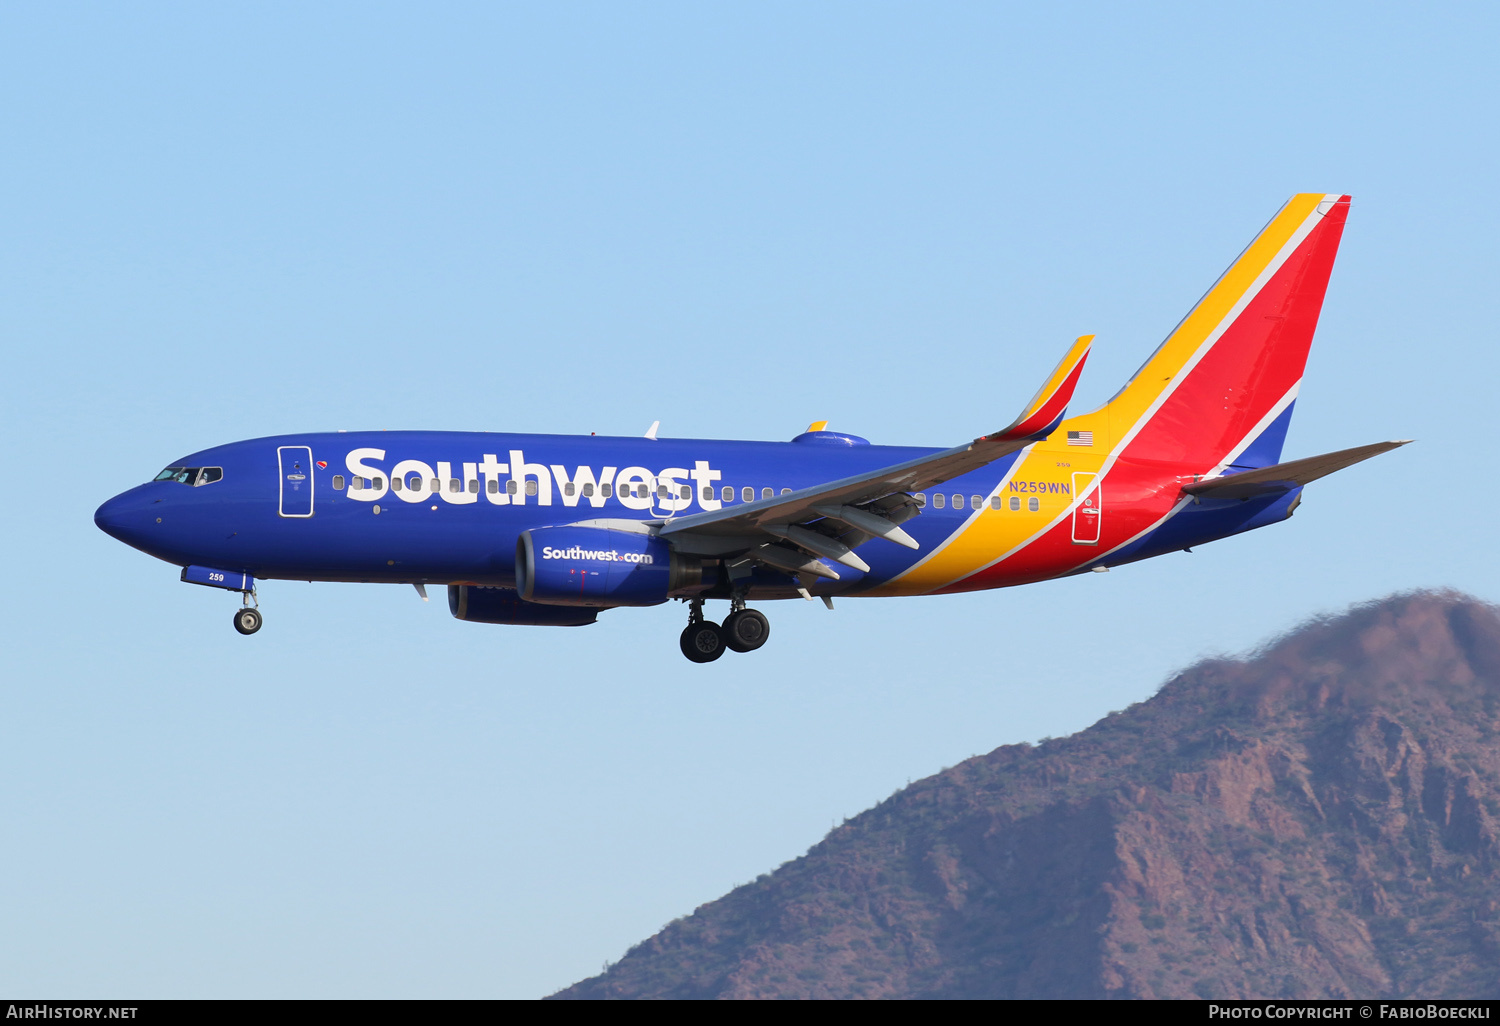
pixel 1319 820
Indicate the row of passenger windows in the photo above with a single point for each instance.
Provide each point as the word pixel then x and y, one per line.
pixel 726 493
pixel 939 501
pixel 589 489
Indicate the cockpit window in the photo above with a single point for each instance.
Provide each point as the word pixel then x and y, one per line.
pixel 191 476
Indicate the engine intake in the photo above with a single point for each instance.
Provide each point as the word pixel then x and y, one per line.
pixel 602 566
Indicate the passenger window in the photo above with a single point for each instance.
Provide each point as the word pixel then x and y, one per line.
pixel 640 491
pixel 975 502
pixel 661 491
pixel 210 475
pixel 531 487
pixel 568 488
pixel 994 502
pixel 492 486
pixel 1033 504
pixel 708 493
pixel 355 484
pixel 606 490
pixel 474 486
pixel 437 485
pixel 1015 502
pixel 747 494
pixel 786 491
pixel 588 489
pixel 510 487
pixel 939 500
pixel 455 485
pixel 726 493
pixel 687 492
pixel 379 482
pixel 921 498
pixel 958 502
pixel 395 484
pixel 338 482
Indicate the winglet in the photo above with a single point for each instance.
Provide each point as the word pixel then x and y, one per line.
pixel 1050 404
pixel 651 431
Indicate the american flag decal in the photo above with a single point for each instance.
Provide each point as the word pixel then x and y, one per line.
pixel 1080 438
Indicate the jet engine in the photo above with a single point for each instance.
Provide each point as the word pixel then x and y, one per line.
pixel 602 566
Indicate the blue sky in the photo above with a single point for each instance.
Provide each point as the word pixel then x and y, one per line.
pixel 241 220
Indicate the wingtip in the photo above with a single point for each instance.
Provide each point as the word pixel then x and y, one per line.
pixel 1050 404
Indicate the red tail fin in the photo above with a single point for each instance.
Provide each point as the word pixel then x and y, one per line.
pixel 1226 377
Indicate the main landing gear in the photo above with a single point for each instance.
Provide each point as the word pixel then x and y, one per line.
pixel 247 618
pixel 744 630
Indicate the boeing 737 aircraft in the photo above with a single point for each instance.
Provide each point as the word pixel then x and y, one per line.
pixel 554 529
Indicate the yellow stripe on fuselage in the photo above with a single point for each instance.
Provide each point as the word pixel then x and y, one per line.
pixel 1041 472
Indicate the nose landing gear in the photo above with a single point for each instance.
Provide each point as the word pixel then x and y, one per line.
pixel 247 618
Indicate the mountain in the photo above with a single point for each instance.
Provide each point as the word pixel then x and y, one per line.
pixel 1321 819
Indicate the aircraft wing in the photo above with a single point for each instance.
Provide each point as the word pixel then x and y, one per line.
pixel 848 501
pixel 1284 476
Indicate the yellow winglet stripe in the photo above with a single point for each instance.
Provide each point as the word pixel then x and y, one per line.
pixel 1060 374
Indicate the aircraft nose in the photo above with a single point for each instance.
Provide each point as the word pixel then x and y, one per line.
pixel 123 517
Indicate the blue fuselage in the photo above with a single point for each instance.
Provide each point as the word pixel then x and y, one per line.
pixel 348 522
pixel 443 507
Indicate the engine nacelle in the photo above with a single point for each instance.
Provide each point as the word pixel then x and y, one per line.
pixel 502 605
pixel 601 566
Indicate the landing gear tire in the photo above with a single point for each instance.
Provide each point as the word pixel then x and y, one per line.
pixel 702 642
pixel 746 630
pixel 247 620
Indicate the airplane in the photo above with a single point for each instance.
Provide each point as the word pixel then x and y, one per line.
pixel 530 529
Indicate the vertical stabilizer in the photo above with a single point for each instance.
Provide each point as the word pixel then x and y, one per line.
pixel 1220 388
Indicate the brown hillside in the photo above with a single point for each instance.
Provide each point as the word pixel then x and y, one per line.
pixel 1319 820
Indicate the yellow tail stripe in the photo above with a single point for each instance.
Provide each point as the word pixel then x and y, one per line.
pixel 1142 390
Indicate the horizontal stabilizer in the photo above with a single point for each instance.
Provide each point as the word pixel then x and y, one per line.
pixel 1285 476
